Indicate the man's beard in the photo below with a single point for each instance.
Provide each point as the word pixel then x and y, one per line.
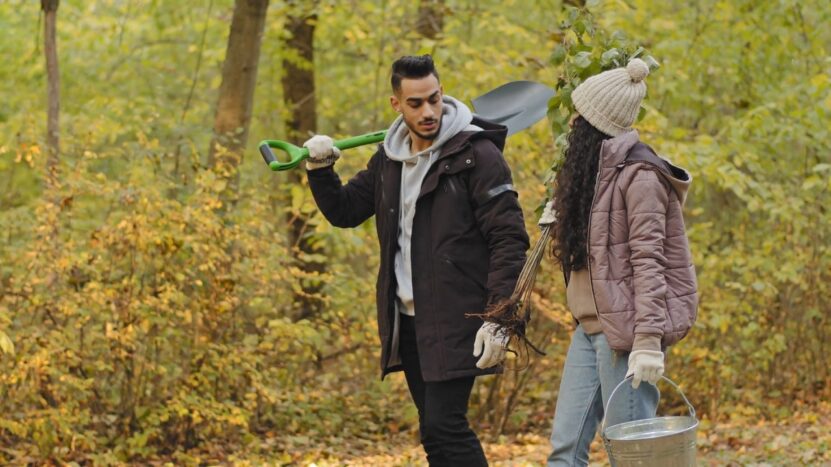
pixel 429 137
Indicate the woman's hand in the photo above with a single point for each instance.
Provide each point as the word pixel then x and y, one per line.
pixel 645 365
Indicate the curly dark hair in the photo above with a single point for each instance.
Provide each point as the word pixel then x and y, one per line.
pixel 573 193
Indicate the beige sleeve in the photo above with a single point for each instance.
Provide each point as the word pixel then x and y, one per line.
pixel 647 342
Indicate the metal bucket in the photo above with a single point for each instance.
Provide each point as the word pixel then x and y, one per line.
pixel 658 442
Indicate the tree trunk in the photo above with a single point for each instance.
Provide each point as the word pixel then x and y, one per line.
pixel 299 95
pixel 236 94
pixel 50 49
pixel 52 193
pixel 430 18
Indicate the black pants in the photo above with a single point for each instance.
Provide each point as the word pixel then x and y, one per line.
pixel 442 409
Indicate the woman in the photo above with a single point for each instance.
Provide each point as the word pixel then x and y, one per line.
pixel 620 240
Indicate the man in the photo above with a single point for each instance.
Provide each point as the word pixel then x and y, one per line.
pixel 452 240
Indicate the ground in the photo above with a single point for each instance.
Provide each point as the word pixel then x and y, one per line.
pixel 804 439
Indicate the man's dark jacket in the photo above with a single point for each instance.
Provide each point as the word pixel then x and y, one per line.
pixel 468 243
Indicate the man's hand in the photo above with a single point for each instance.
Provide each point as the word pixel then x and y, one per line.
pixel 322 152
pixel 549 215
pixel 645 365
pixel 490 345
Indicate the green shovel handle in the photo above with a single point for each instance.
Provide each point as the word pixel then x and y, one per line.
pixel 297 154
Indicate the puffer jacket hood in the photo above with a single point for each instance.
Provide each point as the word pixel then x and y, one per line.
pixel 616 149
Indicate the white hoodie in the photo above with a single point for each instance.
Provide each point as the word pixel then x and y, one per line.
pixel 456 117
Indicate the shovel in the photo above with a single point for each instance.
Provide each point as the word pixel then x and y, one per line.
pixel 516 105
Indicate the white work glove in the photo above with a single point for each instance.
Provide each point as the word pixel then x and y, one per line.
pixel 490 345
pixel 645 365
pixel 322 152
pixel 549 215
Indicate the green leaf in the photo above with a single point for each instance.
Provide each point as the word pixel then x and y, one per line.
pixel 651 62
pixel 558 55
pixel 555 101
pixel 556 120
pixel 565 96
pixel 608 57
pixel 580 48
pixel 582 60
pixel 573 15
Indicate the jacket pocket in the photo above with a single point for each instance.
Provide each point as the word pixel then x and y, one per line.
pixel 452 265
pixel 450 186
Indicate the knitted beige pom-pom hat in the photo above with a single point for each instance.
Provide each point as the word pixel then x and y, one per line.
pixel 611 100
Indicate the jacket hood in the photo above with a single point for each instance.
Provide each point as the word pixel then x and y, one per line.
pixel 456 117
pixel 479 129
pixel 614 151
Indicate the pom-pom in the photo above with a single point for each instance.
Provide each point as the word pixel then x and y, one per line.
pixel 638 70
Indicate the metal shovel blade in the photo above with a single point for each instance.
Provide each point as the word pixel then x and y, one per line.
pixel 517 105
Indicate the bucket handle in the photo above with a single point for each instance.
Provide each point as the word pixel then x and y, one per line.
pixel 606 410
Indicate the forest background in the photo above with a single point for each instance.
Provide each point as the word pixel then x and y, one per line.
pixel 164 297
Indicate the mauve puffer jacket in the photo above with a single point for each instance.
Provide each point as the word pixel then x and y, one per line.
pixel 643 279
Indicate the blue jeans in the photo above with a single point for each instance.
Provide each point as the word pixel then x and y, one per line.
pixel 592 370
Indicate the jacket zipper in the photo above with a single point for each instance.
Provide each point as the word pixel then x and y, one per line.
pixel 392 297
pixel 589 233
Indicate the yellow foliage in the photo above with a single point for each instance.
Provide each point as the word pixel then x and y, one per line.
pixel 147 318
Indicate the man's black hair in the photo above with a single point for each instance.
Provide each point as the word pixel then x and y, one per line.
pixel 412 67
